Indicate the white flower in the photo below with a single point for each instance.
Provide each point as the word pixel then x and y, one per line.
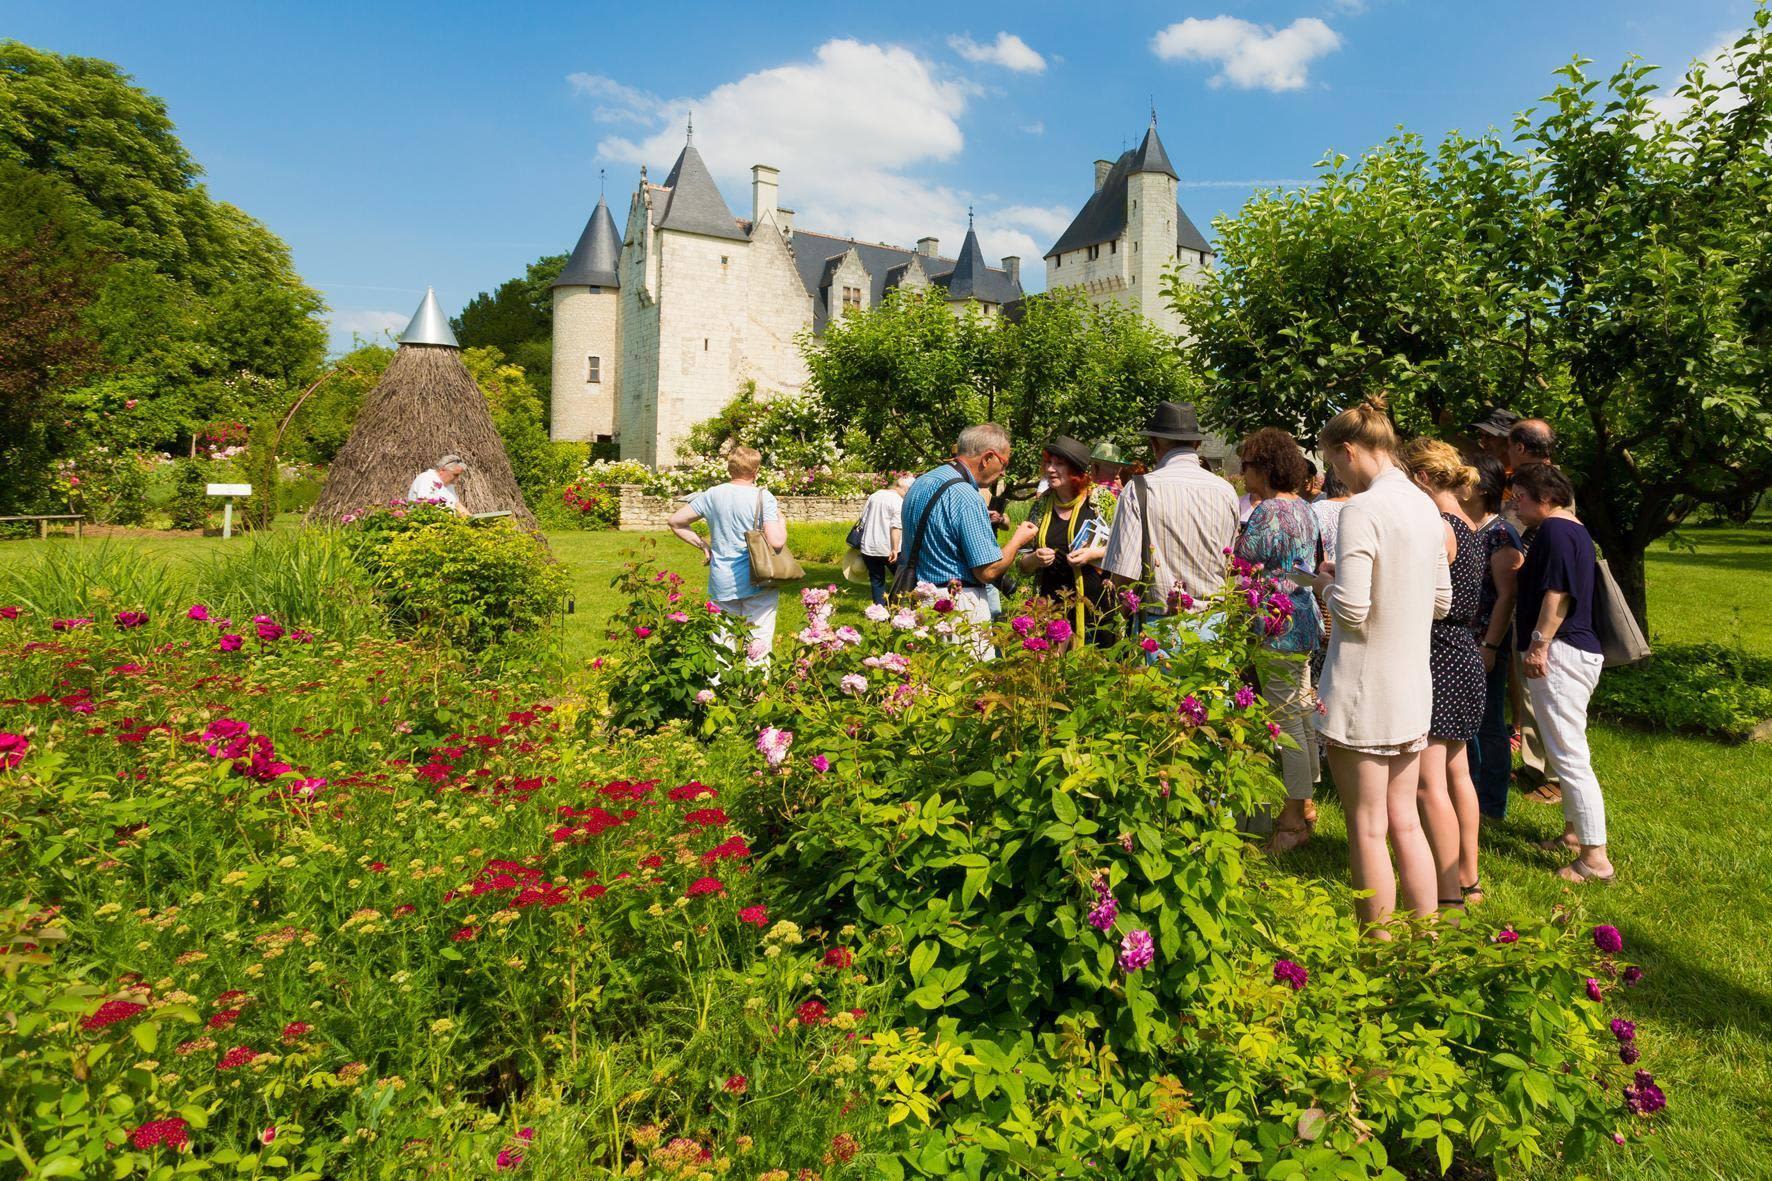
pixel 848 635
pixel 876 612
pixel 905 620
pixel 854 684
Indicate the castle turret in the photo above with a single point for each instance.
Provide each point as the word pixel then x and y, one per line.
pixel 1151 185
pixel 587 334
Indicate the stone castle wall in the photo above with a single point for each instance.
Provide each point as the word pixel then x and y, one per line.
pixel 587 323
pixel 641 513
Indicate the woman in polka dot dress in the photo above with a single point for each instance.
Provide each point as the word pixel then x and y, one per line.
pixel 1448 795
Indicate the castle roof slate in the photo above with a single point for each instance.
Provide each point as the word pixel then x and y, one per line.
pixel 1103 216
pixel 815 256
pixel 695 205
pixel 596 260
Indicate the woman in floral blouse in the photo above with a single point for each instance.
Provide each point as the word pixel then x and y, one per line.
pixel 1281 540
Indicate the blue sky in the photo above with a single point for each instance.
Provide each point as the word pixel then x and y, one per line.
pixel 396 145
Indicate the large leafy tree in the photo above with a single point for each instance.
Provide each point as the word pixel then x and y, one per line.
pixel 200 314
pixel 905 377
pixel 1608 267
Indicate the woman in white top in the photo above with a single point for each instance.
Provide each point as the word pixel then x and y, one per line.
pixel 1384 588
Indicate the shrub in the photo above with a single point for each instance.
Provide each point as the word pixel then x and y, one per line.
pixel 110 487
pixel 259 468
pixel 592 505
pixel 189 507
pixel 458 581
pixel 305 578
pixel 1706 688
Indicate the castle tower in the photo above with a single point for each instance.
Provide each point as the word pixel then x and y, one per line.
pixel 587 334
pixel 1151 185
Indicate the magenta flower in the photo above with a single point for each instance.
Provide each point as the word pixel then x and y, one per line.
pixel 1508 935
pixel 1035 644
pixel 1245 697
pixel 1644 1098
pixel 773 744
pixel 1149 644
pixel 229 642
pixel 269 630
pixel 13 748
pixel 678 617
pixel 1593 990
pixel 1631 975
pixel 1628 1053
pixel 68 625
pixel 1058 631
pixel 1023 624
pixel 1192 710
pixel 131 619
pixel 1608 940
pixel 1624 1031
pixel 1105 910
pixel 198 612
pixel 8 612
pixel 1290 973
pixel 642 632
pixel 1136 950
pixel 820 764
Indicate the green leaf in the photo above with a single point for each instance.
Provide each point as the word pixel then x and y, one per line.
pixel 923 958
pixel 1063 806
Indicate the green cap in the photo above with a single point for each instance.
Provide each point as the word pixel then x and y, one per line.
pixel 1106 452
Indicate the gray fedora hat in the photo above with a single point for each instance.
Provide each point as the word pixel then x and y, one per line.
pixel 1070 450
pixel 1174 420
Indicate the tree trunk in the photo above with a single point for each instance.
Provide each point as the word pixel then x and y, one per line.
pixel 1626 561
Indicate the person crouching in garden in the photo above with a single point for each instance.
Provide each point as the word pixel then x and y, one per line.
pixel 1554 629
pixel 731 509
pixel 1280 538
pixel 1448 795
pixel 1385 586
pixel 1066 559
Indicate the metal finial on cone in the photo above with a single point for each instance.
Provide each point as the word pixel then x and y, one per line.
pixel 429 325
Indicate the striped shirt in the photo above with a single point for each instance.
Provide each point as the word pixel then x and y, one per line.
pixel 959 538
pixel 1192 521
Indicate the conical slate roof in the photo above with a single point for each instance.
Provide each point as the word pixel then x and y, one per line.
pixel 695 205
pixel 597 257
pixel 968 279
pixel 429 325
pixel 1150 156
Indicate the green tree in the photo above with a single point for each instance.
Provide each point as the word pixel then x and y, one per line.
pixel 517 319
pixel 1607 268
pixel 540 465
pixel 907 376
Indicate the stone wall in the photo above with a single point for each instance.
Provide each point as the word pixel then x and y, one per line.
pixel 641 513
pixel 586 324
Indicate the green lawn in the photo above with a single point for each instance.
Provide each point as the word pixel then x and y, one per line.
pixel 1687 818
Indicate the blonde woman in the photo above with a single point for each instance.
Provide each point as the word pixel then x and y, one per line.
pixel 1384 588
pixel 1448 793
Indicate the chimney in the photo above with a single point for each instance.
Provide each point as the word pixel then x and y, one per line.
pixel 1102 168
pixel 1012 264
pixel 785 219
pixel 929 247
pixel 765 189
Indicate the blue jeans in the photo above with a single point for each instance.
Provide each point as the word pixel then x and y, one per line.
pixel 1491 752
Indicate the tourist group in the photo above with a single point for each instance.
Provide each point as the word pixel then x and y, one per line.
pixel 1444 608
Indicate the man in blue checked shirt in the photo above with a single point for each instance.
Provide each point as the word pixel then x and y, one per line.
pixel 959 546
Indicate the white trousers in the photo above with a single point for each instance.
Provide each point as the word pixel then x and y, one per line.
pixel 1286 686
pixel 758 611
pixel 975 605
pixel 1559 700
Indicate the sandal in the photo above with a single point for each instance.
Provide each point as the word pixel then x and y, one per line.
pixel 1577 873
pixel 1301 833
pixel 1555 844
pixel 1475 888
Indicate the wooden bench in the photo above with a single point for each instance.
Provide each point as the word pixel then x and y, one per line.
pixel 43 520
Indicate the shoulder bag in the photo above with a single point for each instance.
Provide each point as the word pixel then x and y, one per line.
pixel 768 564
pixel 904 579
pixel 1622 642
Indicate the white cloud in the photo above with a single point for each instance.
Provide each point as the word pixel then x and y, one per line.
pixel 848 166
pixel 1037 127
pixel 1249 56
pixel 1008 51
pixel 619 103
pixel 1349 7
pixel 369 323
pixel 1719 67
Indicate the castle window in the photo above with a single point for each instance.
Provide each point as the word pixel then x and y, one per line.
pixel 1094 253
pixel 852 299
pixel 1114 246
pixel 594 369
pixel 724 259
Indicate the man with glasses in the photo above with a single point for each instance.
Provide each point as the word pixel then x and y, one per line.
pixel 957 546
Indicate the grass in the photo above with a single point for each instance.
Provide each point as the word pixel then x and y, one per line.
pixel 1688 818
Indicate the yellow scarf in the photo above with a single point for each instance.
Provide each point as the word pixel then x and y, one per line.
pixel 1074 507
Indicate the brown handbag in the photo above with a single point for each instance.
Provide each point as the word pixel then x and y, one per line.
pixel 768 564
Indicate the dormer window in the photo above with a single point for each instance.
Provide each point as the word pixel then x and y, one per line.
pixel 852 299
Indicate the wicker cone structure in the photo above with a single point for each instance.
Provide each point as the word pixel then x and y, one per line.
pixel 425 406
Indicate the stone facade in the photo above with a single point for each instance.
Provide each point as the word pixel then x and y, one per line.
pixel 703 303
pixel 587 362
pixel 641 513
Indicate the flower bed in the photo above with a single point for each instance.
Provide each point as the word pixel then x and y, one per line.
pixel 305 906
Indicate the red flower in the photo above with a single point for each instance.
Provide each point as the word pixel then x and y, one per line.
pixel 838 957
pixel 378 867
pixel 706 817
pixel 812 1013
pixel 651 861
pixel 737 1084
pixel 756 916
pixel 462 936
pixel 238 1056
pixel 224 1018
pixel 172 1132
pixel 110 1013
pixel 294 1030
pixel 702 886
pixel 731 847
pixel 693 790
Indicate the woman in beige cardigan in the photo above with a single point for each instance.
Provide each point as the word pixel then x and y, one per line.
pixel 1386 585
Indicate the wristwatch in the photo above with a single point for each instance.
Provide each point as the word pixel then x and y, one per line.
pixel 1539 637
